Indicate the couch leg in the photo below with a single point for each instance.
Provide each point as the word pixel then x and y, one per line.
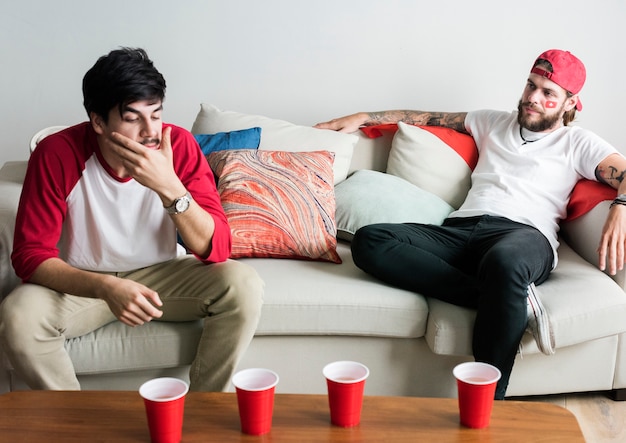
pixel 618 394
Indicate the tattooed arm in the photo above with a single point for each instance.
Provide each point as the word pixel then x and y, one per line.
pixel 351 123
pixel 612 171
pixel 611 251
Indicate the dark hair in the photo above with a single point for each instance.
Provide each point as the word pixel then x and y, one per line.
pixel 570 115
pixel 121 77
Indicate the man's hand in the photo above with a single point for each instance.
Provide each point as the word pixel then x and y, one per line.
pixel 153 168
pixel 131 302
pixel 349 123
pixel 613 241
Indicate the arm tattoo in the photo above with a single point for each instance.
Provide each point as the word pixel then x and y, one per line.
pixel 611 176
pixel 452 120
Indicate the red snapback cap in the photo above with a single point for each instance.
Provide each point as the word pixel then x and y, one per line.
pixel 567 71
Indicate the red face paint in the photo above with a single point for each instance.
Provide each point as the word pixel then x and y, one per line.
pixel 550 104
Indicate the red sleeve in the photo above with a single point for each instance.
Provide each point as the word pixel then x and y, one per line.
pixel 195 173
pixel 53 170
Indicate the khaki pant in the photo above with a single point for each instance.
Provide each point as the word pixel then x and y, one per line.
pixel 35 321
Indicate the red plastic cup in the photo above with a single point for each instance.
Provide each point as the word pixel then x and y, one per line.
pixel 476 383
pixel 164 399
pixel 255 398
pixel 345 381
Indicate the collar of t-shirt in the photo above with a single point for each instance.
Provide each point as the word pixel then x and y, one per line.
pixel 530 136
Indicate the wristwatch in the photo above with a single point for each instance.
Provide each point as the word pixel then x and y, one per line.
pixel 180 204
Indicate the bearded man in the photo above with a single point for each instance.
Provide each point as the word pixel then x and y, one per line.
pixel 501 243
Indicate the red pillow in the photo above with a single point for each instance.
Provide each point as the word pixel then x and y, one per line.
pixel 586 195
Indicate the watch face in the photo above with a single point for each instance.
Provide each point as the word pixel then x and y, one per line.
pixel 182 205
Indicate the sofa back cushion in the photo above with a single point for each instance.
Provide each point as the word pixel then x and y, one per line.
pixel 280 135
pixel 433 163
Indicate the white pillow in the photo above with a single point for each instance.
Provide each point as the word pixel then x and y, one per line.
pixel 39 136
pixel 422 158
pixel 369 197
pixel 280 135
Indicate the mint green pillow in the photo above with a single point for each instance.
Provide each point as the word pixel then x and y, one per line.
pixel 367 197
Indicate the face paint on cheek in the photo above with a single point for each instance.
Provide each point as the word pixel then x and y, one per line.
pixel 550 104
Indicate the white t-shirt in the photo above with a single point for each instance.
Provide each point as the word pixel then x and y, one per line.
pixel 528 183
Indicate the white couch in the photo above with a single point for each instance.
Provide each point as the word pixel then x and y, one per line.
pixel 315 312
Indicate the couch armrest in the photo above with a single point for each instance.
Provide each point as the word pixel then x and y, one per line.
pixel 11 178
pixel 583 235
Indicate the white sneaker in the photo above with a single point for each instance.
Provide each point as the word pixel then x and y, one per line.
pixel 539 322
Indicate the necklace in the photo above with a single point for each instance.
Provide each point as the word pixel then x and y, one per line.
pixel 525 141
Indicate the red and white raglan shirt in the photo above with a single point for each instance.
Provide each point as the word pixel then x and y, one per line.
pixel 74 207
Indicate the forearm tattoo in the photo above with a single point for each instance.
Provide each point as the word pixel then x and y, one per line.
pixel 452 120
pixel 611 175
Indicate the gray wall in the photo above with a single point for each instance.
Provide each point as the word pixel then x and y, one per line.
pixel 307 61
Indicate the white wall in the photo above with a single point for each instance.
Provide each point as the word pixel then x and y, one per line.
pixel 307 61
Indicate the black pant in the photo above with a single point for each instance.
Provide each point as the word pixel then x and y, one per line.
pixel 484 262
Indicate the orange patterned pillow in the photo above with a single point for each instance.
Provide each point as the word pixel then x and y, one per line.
pixel 279 204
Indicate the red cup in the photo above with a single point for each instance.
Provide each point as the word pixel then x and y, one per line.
pixel 345 381
pixel 476 383
pixel 255 398
pixel 164 399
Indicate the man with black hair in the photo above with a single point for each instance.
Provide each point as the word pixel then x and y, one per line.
pixel 491 252
pixel 101 209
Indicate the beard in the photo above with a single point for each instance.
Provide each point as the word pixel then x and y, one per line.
pixel 543 124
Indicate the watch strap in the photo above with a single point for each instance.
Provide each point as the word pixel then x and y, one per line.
pixel 619 200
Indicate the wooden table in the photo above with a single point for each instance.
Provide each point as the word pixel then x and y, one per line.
pixel 112 416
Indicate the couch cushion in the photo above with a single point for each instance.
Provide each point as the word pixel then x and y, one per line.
pixel 433 162
pixel 301 298
pixel 117 347
pixel 280 135
pixel 317 298
pixel 583 303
